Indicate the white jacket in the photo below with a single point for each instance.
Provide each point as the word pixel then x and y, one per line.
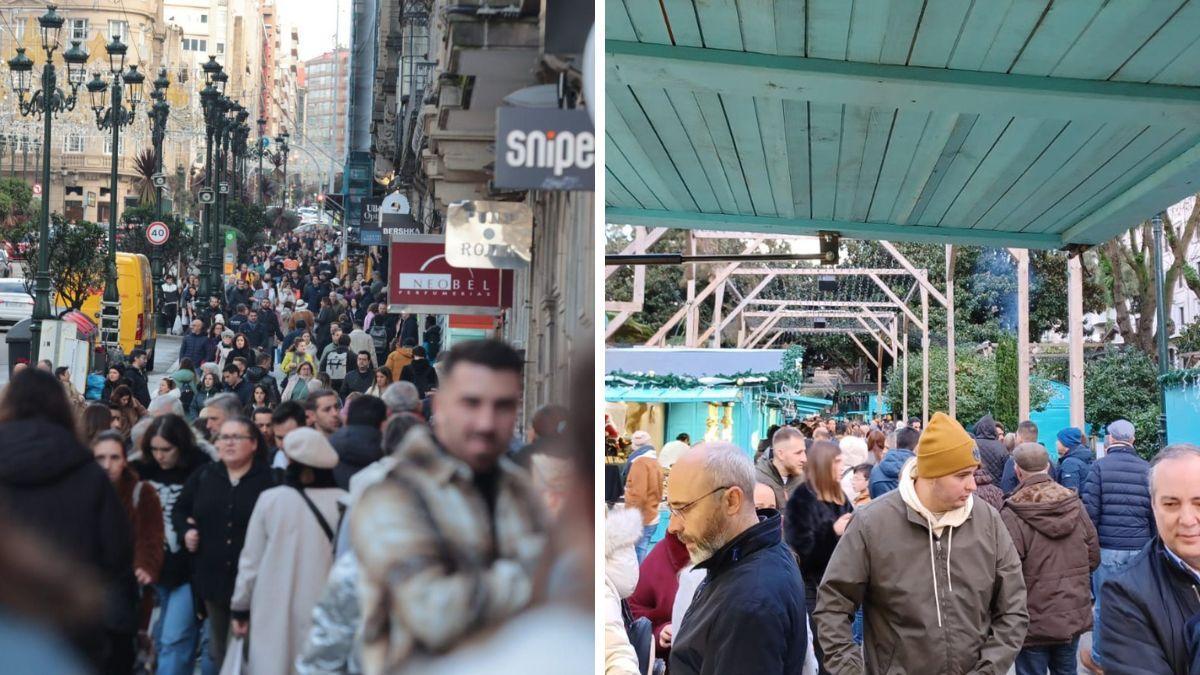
pixel 622 529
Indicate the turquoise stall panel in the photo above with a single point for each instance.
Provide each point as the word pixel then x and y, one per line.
pixel 686 418
pixel 1183 414
pixel 1056 415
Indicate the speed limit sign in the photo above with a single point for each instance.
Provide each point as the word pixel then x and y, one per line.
pixel 158 233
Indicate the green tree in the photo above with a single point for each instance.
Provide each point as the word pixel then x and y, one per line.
pixel 77 259
pixel 132 237
pixel 1123 384
pixel 1006 406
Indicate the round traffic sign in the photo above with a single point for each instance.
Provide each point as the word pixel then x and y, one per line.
pixel 158 233
pixel 37 189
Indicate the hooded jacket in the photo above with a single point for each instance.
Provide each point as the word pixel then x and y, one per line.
pixel 422 374
pixel 991 449
pixel 986 490
pixel 622 529
pixel 397 360
pixel 1073 469
pixel 885 476
pixel 644 487
pixel 1059 549
pixel 357 445
pixel 1117 499
pixel 939 595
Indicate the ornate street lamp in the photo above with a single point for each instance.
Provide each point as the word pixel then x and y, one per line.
pixel 45 103
pixel 158 113
pixel 262 149
pixel 282 140
pixel 107 99
pixel 208 99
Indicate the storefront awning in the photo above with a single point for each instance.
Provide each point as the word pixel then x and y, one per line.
pixel 671 394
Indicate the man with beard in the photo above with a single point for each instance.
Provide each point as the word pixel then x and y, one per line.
pixel 748 616
pixel 322 410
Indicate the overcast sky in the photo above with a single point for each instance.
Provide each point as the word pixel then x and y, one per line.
pixel 316 23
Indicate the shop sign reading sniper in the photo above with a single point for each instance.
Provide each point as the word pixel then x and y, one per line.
pixel 544 149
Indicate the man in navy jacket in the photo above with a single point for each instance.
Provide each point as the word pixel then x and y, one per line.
pixel 1117 500
pixel 748 615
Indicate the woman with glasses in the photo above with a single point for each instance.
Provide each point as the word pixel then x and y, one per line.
pixel 213 513
pixel 171 456
pixel 816 516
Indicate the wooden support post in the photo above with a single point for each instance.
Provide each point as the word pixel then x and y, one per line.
pixel 925 360
pixel 750 298
pixel 617 321
pixel 660 336
pixel 741 338
pixel 1075 331
pixel 879 378
pixel 867 352
pixel 951 367
pixel 718 301
pixel 690 329
pixel 904 382
pixel 1022 334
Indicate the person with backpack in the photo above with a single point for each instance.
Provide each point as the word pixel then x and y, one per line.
pixel 286 558
pixel 185 382
pixel 420 372
pixel 379 338
pixel 336 363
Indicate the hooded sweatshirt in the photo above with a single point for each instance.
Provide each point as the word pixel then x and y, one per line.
pixel 991 449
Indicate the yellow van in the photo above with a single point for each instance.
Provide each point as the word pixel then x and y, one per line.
pixel 136 287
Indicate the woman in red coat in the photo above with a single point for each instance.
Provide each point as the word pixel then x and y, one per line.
pixel 658 581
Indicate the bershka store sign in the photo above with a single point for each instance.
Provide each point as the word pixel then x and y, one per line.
pixel 544 149
pixel 420 279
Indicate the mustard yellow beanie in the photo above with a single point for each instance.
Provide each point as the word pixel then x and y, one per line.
pixel 945 448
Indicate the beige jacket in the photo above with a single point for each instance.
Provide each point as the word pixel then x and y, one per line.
pixel 433 575
pixel 644 487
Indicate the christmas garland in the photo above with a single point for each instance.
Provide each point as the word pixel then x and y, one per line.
pixel 786 376
pixel 1183 377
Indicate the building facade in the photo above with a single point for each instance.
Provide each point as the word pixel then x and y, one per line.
pixel 325 106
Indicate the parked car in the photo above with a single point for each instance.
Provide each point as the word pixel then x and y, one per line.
pixel 15 303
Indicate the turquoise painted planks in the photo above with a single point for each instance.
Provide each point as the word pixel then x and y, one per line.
pixel 711 159
pixel 980 142
pixel 795 123
pixel 647 20
pixel 938 132
pixel 1098 150
pixel 747 138
pixel 825 135
pixel 979 32
pixel 828 28
pixel 879 130
pixel 868 27
pixel 758 25
pixel 625 121
pixel 615 193
pixel 771 131
pixel 681 16
pixel 940 26
pixel 902 146
pixel 1018 24
pixel 647 189
pixel 1170 57
pixel 1127 168
pixel 789 27
pixel 1059 29
pixel 675 138
pixel 933 181
pixel 1073 139
pixel 1117 32
pixel 719 23
pixel 1183 71
pixel 855 120
pixel 903 19
pixel 616 22
pixel 717 123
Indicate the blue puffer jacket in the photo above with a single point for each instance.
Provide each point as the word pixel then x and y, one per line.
pixel 886 474
pixel 1074 467
pixel 1118 500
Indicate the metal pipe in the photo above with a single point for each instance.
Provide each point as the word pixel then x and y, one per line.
pixel 681 258
pixel 1161 318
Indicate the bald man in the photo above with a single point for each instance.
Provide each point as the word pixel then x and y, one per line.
pixel 749 615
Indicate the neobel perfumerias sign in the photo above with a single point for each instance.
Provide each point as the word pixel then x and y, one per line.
pixel 544 149
pixel 422 280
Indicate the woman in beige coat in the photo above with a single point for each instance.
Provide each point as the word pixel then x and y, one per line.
pixel 287 556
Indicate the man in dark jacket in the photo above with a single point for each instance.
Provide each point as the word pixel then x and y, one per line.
pixel 409 329
pixel 361 378
pixel 748 616
pixel 358 442
pixel 1075 458
pixel 136 374
pixel 195 344
pixel 781 468
pixel 1118 502
pixel 238 295
pixel 885 476
pixel 237 384
pixel 260 373
pixel 420 372
pixel 1058 548
pixel 991 449
pixel 1027 432
pixel 255 332
pixel 1148 607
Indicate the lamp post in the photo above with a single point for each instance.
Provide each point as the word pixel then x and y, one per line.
pixel 282 140
pixel 221 107
pixel 262 150
pixel 158 128
pixel 44 104
pixel 114 116
pixel 208 98
pixel 1156 226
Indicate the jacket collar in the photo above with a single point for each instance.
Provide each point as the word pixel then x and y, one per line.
pixel 1032 480
pixel 1175 563
pixel 1120 446
pixel 421 448
pixel 768 532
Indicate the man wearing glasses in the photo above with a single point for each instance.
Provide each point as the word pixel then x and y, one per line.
pixel 748 615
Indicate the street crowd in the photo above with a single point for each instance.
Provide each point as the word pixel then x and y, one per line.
pixel 317 486
pixel 897 547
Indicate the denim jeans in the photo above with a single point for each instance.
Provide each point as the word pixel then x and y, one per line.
pixel 1056 659
pixel 216 638
pixel 643 545
pixel 1111 562
pixel 176 630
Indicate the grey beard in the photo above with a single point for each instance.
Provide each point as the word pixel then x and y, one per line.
pixel 703 551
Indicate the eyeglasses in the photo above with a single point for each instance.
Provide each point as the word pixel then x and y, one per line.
pixel 680 511
pixel 234 437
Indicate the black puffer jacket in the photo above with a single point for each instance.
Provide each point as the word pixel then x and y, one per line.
pixel 991 449
pixel 1118 500
pixel 357 445
pixel 422 374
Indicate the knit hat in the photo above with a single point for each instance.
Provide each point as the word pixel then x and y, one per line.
pixel 945 448
pixel 1070 437
pixel 309 447
pixel 640 438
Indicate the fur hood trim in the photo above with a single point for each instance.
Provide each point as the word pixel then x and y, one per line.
pixel 622 528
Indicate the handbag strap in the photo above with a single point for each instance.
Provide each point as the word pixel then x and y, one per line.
pixel 317 512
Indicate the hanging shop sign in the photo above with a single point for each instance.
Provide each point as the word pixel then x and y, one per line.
pixel 369 234
pixel 395 216
pixel 488 234
pixel 422 280
pixel 544 149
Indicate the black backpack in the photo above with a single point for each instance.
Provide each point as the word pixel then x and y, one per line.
pixel 379 335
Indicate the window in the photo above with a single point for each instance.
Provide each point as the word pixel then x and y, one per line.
pixel 203 45
pixel 203 18
pixel 220 47
pixel 119 29
pixel 18 28
pixel 79 29
pixel 107 144
pixel 73 142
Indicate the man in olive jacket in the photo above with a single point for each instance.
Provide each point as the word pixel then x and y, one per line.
pixel 935 571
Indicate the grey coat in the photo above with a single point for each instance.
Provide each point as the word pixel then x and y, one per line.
pixel 331 646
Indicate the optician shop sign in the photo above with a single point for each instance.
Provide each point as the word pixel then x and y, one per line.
pixel 420 279
pixel 544 149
